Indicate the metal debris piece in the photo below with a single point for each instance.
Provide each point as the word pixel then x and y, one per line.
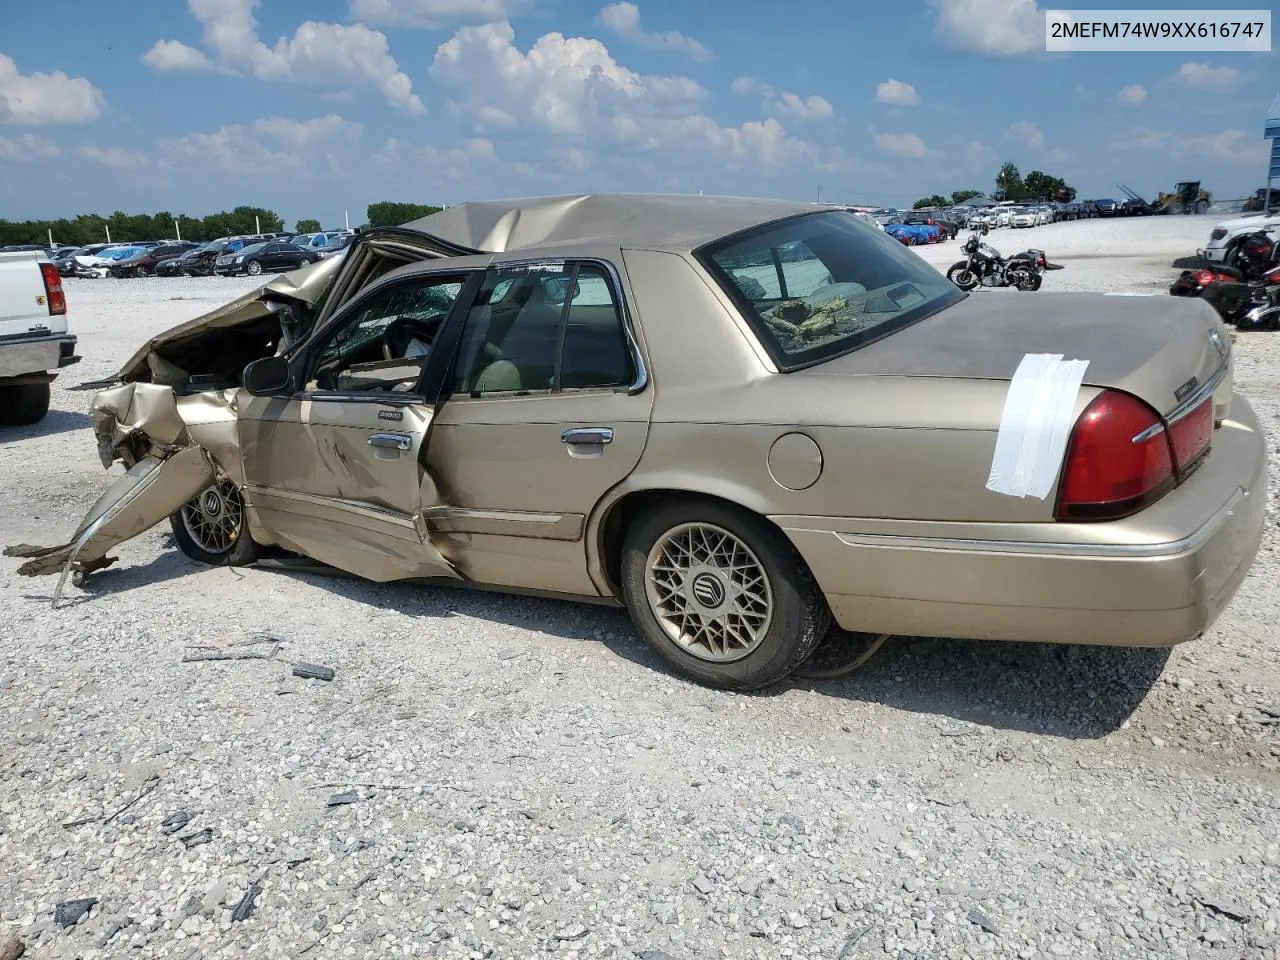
pixel 341 799
pixel 569 934
pixel 980 919
pixel 175 822
pixel 195 839
pixel 257 648
pixel 244 909
pixel 1226 908
pixel 151 783
pixel 70 912
pixel 312 671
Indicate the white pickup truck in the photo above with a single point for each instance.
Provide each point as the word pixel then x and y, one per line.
pixel 34 342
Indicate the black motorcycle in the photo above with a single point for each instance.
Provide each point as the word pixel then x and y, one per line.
pixel 984 266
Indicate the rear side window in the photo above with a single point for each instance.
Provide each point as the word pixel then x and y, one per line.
pixel 819 285
pixel 544 328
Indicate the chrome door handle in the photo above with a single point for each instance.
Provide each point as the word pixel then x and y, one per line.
pixel 397 440
pixel 588 435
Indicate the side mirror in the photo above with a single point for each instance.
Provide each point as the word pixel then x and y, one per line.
pixel 267 377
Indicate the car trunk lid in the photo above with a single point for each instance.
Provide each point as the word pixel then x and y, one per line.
pixel 1162 350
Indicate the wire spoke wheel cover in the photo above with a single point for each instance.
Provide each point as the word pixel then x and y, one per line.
pixel 709 592
pixel 215 518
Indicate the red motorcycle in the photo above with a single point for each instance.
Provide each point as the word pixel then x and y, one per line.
pixel 1248 296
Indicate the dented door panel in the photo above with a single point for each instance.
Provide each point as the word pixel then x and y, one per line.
pixel 341 480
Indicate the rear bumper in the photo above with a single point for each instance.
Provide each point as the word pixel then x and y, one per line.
pixel 1153 580
pixel 36 355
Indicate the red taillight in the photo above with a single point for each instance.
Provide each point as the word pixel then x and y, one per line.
pixel 1205 277
pixel 57 300
pixel 1118 460
pixel 1190 437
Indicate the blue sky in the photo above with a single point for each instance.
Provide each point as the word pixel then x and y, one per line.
pixel 314 108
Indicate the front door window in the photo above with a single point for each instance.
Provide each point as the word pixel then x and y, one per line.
pixel 385 343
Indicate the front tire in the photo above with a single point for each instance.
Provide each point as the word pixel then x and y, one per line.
pixel 721 595
pixel 212 528
pixel 23 404
pixel 962 276
pixel 253 268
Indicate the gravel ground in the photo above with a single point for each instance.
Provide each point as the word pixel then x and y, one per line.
pixel 527 782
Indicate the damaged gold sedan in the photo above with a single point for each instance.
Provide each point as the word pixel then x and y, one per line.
pixel 740 419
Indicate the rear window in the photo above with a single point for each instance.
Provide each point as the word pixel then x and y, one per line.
pixel 820 285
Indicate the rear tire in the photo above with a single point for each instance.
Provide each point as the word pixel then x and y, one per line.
pixel 1202 206
pixel 142 272
pixel 23 404
pixel 213 529
pixel 721 595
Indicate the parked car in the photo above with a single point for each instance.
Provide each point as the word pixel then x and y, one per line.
pixel 335 246
pixel 738 419
pixel 202 262
pixel 34 340
pixel 1023 217
pixel 259 258
pixel 1107 207
pixel 1224 238
pixel 143 262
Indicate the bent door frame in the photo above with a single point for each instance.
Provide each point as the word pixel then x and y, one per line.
pixel 394 544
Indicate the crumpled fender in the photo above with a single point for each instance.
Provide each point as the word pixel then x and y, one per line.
pixel 173 448
pixel 135 419
pixel 150 490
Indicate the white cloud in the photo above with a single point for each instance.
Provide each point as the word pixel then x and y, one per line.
pixel 1025 133
pixel 978 156
pixel 430 14
pixel 1133 95
pixel 271 145
pixel 115 157
pixel 168 56
pixel 895 93
pixel 27 148
pixel 787 103
pixel 809 108
pixel 1201 76
pixel 624 19
pixel 908 145
pixel 1001 28
pixel 1234 146
pixel 572 88
pixel 319 53
pixel 46 99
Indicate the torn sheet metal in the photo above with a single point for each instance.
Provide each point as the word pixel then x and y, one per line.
pixel 121 412
pixel 1035 425
pixel 134 503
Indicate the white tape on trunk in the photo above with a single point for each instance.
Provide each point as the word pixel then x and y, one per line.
pixel 1035 425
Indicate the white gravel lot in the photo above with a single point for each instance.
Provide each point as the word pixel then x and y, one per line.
pixel 530 783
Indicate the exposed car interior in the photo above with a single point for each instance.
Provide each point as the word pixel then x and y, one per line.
pixel 385 346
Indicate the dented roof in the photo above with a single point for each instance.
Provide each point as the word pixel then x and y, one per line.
pixel 676 222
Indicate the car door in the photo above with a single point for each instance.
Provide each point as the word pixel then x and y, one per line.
pixel 274 257
pixel 334 468
pixel 546 410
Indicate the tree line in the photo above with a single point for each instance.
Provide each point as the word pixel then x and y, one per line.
pixel 1010 185
pixel 94 228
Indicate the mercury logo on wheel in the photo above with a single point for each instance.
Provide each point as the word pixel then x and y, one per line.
pixel 708 590
pixel 212 503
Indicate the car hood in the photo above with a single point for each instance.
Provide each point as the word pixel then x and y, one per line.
pixel 1257 221
pixel 304 287
pixel 1149 346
